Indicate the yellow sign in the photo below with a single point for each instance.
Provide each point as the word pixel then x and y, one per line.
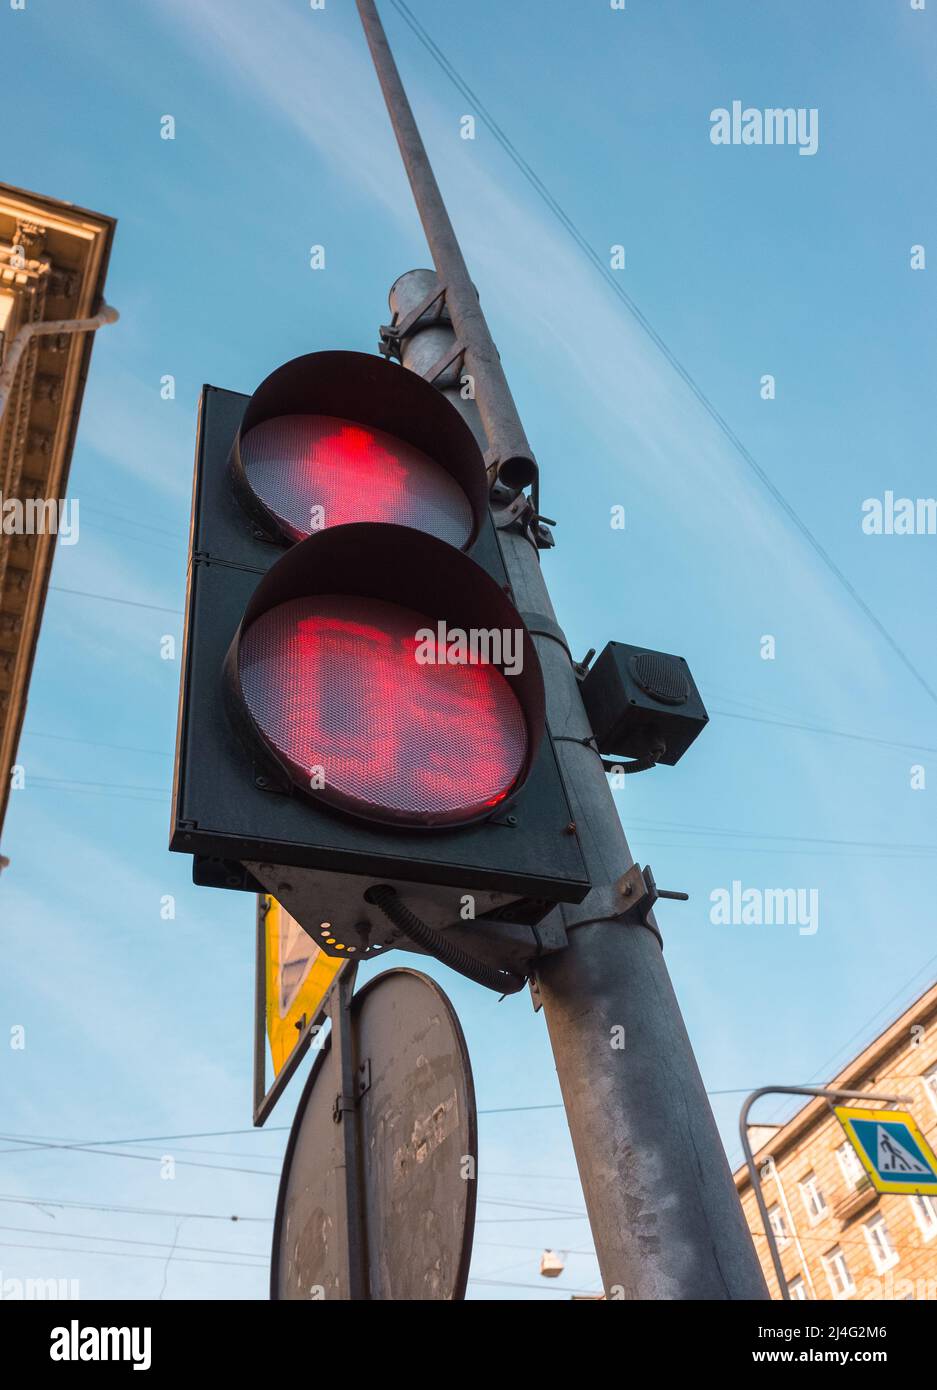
pixel 892 1149
pixel 298 976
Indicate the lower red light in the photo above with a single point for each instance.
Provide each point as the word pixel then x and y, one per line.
pixel 316 471
pixel 333 684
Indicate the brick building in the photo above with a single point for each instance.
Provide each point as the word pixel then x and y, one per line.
pixel 838 1238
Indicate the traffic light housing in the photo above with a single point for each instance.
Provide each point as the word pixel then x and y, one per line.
pixel 338 729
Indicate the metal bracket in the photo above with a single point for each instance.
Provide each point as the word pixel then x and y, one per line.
pixel 629 902
pixel 582 667
pixel 521 514
pixel 344 1105
pixel 515 515
pixel 363 1078
pixel 341 1107
pixel 393 334
pixel 447 359
pixel 539 625
pixel 639 889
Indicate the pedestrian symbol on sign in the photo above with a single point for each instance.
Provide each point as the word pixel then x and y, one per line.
pixel 894 1153
pixel 893 1157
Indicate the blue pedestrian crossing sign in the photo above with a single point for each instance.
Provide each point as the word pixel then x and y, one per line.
pixel 892 1149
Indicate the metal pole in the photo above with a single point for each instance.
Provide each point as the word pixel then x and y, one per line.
pixel 507 442
pixel 348 1164
pixel 755 1176
pixel 260 1003
pixel 665 1215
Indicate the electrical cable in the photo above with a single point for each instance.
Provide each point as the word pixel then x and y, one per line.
pixel 435 943
pixel 67 1203
pixel 109 598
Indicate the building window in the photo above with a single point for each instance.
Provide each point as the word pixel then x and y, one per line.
pixel 930 1085
pixel 884 1254
pixel 798 1290
pixel 812 1197
pixel 850 1166
pixel 778 1225
pixel 837 1273
pixel 925 1214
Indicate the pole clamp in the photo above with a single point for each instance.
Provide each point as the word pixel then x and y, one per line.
pixel 342 1106
pixel 345 1104
pixel 391 335
pixel 629 902
pixel 638 889
pixel 539 625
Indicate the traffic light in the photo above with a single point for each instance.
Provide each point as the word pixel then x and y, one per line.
pixel 362 706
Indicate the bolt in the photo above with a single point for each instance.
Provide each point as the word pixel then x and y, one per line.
pixel 571 828
pixel 260 781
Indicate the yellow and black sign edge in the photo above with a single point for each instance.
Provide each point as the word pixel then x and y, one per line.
pixel 926 1188
pixel 264 1099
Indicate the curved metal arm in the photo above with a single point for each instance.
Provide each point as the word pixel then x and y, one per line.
pixel 830 1093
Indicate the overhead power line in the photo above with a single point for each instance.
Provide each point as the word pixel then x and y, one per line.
pixel 127 1240
pixel 109 598
pixel 140 1158
pixel 95 743
pixel 721 713
pixel 541 1288
pixel 67 1203
pixel 128 1255
pixel 40 1140
pixel 615 285
pixel 685 828
pixel 62 782
pixel 97 529
pixel 828 733
pixel 823 1071
pixel 35 1142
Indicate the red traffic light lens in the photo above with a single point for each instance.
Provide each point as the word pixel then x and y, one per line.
pixel 317 471
pixel 334 685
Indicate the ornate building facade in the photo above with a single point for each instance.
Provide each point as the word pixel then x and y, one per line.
pixel 53 262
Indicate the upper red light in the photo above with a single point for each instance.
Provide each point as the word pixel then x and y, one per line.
pixel 334 684
pixel 318 471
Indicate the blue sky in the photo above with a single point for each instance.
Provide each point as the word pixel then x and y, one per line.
pixel 746 261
